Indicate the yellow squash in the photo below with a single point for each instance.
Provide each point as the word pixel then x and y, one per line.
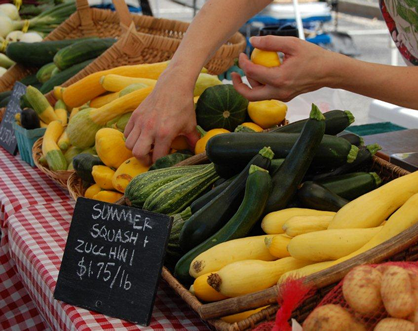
pixel 201 143
pixel 372 208
pixel 251 248
pixel 92 191
pixel 203 291
pixel 54 156
pixel 267 113
pixel 253 126
pixel 116 83
pixel 61 112
pixel 241 316
pixel 273 222
pixel 102 176
pixel 250 276
pixel 41 105
pixel 265 58
pixel 108 196
pixel 329 245
pixel 277 245
pixel 102 100
pixel 64 141
pixel 84 125
pixel 89 87
pixel 110 147
pixel 126 172
pixel 203 82
pixel 304 224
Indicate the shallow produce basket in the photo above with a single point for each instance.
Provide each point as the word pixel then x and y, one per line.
pixel 149 40
pixel 59 177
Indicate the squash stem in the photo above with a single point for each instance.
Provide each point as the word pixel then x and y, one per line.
pixel 374 148
pixel 376 178
pixel 268 241
pixel 350 116
pixel 352 155
pixel 267 152
pixel 316 114
pixel 254 168
pixel 201 131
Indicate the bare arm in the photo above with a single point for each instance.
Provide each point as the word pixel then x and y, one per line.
pixel 307 67
pixel 169 111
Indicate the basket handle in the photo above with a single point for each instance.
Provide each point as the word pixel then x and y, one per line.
pixel 86 21
pixel 125 16
pixel 131 42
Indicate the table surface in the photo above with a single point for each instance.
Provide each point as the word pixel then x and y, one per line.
pixel 394 142
pixel 35 217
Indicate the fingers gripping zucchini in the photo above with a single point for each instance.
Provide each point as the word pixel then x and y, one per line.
pixel 257 190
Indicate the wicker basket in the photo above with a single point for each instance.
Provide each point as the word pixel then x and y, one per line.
pixel 151 40
pixel 2 111
pixel 399 248
pixel 59 177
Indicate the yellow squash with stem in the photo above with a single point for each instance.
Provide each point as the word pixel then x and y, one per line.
pixel 53 155
pixel 110 147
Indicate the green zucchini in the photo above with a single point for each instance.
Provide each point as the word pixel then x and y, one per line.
pixel 316 196
pixel 257 189
pixel 81 51
pixel 29 80
pixel 173 251
pixel 169 160
pixel 177 195
pixel 209 219
pixel 5 101
pixel 63 76
pixel 336 121
pixel 353 138
pixel 4 95
pixel 37 54
pixel 44 74
pixel 363 160
pixel 291 173
pixel 143 185
pixel 236 150
pixel 351 186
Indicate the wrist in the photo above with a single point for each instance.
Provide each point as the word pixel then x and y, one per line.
pixel 338 69
pixel 178 77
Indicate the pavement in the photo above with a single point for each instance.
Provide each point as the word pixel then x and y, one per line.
pixel 369 35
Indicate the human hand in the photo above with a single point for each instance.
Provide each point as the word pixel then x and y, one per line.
pixel 306 67
pixel 166 113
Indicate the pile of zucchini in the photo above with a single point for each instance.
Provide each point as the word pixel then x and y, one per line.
pixel 310 163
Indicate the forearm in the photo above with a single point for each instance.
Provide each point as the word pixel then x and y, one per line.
pixel 215 23
pixel 392 84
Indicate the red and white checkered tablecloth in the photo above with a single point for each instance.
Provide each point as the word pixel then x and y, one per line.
pixel 35 222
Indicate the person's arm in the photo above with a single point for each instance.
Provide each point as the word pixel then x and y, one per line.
pixel 169 110
pixel 307 67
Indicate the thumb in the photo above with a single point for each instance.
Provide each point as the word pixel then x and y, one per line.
pixel 285 45
pixel 192 138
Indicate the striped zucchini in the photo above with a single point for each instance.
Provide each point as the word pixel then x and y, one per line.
pixel 140 188
pixel 180 193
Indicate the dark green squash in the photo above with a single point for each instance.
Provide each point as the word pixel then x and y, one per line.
pixel 83 164
pixel 221 106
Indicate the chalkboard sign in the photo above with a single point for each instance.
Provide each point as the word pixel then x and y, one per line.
pixel 113 259
pixel 7 134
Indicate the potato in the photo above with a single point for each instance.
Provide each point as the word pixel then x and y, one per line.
pixel 394 324
pixel 361 290
pixel 396 292
pixel 331 318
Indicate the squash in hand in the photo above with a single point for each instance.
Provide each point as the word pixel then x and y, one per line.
pixel 126 172
pixel 110 146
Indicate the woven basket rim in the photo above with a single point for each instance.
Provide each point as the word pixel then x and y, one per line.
pixel 59 177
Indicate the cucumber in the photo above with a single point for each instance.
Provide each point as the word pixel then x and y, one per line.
pixel 29 80
pixel 81 51
pixel 237 149
pixel 177 195
pixel 44 74
pixel 146 183
pixel 364 158
pixel 37 54
pixel 291 173
pixel 209 219
pixel 5 101
pixel 257 188
pixel 63 76
pixel 4 95
pixel 336 121
pixel 353 138
pixel 351 186
pixel 316 196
